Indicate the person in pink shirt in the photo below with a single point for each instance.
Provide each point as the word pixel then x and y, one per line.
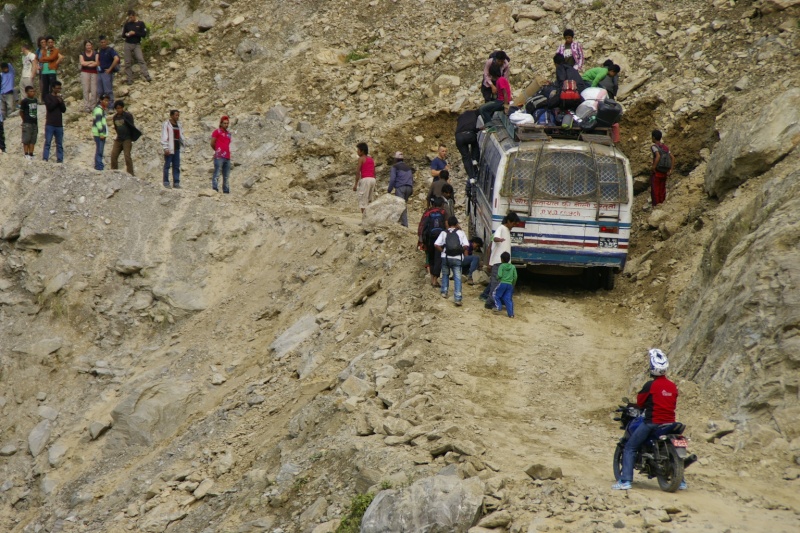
pixel 488 88
pixel 571 50
pixel 503 97
pixel 221 143
pixel 365 178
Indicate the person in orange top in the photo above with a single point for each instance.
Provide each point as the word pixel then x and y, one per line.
pixel 50 60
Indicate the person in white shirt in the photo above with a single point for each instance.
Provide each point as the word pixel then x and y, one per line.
pixel 172 141
pixel 30 66
pixel 501 242
pixel 453 244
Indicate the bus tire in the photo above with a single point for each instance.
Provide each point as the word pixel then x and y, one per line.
pixel 590 278
pixel 608 278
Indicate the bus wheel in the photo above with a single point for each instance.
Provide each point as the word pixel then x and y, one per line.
pixel 608 278
pixel 590 278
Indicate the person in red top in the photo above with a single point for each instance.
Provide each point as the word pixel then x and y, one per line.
pixel 658 178
pixel 502 98
pixel 221 143
pixel 365 179
pixel 658 398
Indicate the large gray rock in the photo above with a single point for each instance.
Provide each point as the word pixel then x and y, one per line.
pixel 743 307
pixel 385 210
pixel 770 6
pixel 196 20
pixel 36 24
pixel 38 437
pixel 438 504
pixel 36 239
pixel 6 26
pixel 292 337
pixel 750 146
pixel 153 412
pixel 181 296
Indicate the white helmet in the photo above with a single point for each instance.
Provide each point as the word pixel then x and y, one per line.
pixel 658 362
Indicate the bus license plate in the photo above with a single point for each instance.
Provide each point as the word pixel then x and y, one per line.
pixel 606 242
pixel 679 443
pixel 517 238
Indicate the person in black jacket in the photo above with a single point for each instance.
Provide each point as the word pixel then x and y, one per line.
pixel 54 123
pixel 132 32
pixel 467 143
pixel 126 134
pixel 565 72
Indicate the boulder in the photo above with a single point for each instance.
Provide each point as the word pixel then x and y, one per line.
pixel 385 210
pixel 770 6
pixel 34 239
pixel 328 56
pixel 751 146
pixel 196 20
pixel 292 337
pixel 530 12
pixel 553 5
pixel 35 23
pixel 538 471
pixel 6 26
pixel 438 504
pixel 153 412
pixel 38 437
pixel 126 267
pixel 181 296
pixel 249 49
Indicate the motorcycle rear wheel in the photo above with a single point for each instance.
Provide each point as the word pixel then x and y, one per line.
pixel 670 473
pixel 618 462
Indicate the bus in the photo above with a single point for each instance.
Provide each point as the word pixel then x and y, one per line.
pixel 572 190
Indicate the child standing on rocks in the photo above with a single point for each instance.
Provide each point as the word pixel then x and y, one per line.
pixel 506 278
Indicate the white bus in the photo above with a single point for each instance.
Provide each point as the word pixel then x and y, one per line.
pixel 572 191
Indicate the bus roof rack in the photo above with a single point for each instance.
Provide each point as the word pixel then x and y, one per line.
pixel 537 132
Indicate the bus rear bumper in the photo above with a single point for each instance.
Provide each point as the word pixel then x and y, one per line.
pixel 568 258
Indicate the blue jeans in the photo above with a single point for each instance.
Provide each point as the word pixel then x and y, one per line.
pixel 225 166
pixel 488 109
pixel 174 160
pixel 503 296
pixel 488 292
pixel 105 84
pixel 470 262
pixel 100 146
pixel 632 446
pixel 453 263
pixel 49 133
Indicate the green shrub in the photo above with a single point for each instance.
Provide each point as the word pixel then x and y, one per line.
pixel 358 506
pixel 355 55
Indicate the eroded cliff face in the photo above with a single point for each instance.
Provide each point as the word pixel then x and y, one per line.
pixel 187 361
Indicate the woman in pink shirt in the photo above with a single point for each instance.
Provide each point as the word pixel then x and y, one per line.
pixel 365 179
pixel 502 99
pixel 221 143
pixel 488 88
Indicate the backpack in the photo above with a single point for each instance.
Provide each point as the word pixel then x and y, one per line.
pixel 452 244
pixel 433 226
pixel 665 161
pixel 544 117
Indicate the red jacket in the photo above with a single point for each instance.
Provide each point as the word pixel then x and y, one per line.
pixel 658 398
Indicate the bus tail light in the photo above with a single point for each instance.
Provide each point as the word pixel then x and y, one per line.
pixel 609 229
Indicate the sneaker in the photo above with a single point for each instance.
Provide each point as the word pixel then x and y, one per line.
pixel 444 295
pixel 482 298
pixel 497 311
pixel 621 485
pixel 215 189
pixel 458 304
pixel 177 186
pixel 166 184
pixel 683 485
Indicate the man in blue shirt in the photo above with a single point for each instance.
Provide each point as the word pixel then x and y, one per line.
pixel 109 61
pixel 7 105
pixel 439 162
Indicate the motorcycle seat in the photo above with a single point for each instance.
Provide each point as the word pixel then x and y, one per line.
pixel 671 428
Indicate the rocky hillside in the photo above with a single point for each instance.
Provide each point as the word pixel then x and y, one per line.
pixel 187 361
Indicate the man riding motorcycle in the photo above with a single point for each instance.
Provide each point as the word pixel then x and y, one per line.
pixel 658 398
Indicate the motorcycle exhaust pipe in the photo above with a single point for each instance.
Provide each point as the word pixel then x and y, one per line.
pixel 689 460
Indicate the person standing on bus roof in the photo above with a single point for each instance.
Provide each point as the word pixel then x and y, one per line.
pixel 488 87
pixel 501 242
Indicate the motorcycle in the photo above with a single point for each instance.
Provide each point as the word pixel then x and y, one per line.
pixel 664 455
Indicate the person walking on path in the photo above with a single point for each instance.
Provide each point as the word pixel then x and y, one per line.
pixel 506 280
pixel 7 100
pixel 54 123
pixel 50 60
pixel 30 66
pixel 401 181
pixel 172 140
pixel 432 223
pixel 452 244
pixel 100 130
pixel 365 177
pixel 501 242
pixel 133 31
pixel 108 61
pixel 29 112
pixel 126 130
pixel 663 163
pixel 488 87
pixel 88 61
pixel 571 50
pixel 221 143
pixel 439 162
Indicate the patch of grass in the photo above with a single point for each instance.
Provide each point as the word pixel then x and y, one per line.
pixel 316 457
pixel 597 4
pixel 299 483
pixel 358 506
pixel 386 484
pixel 356 55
